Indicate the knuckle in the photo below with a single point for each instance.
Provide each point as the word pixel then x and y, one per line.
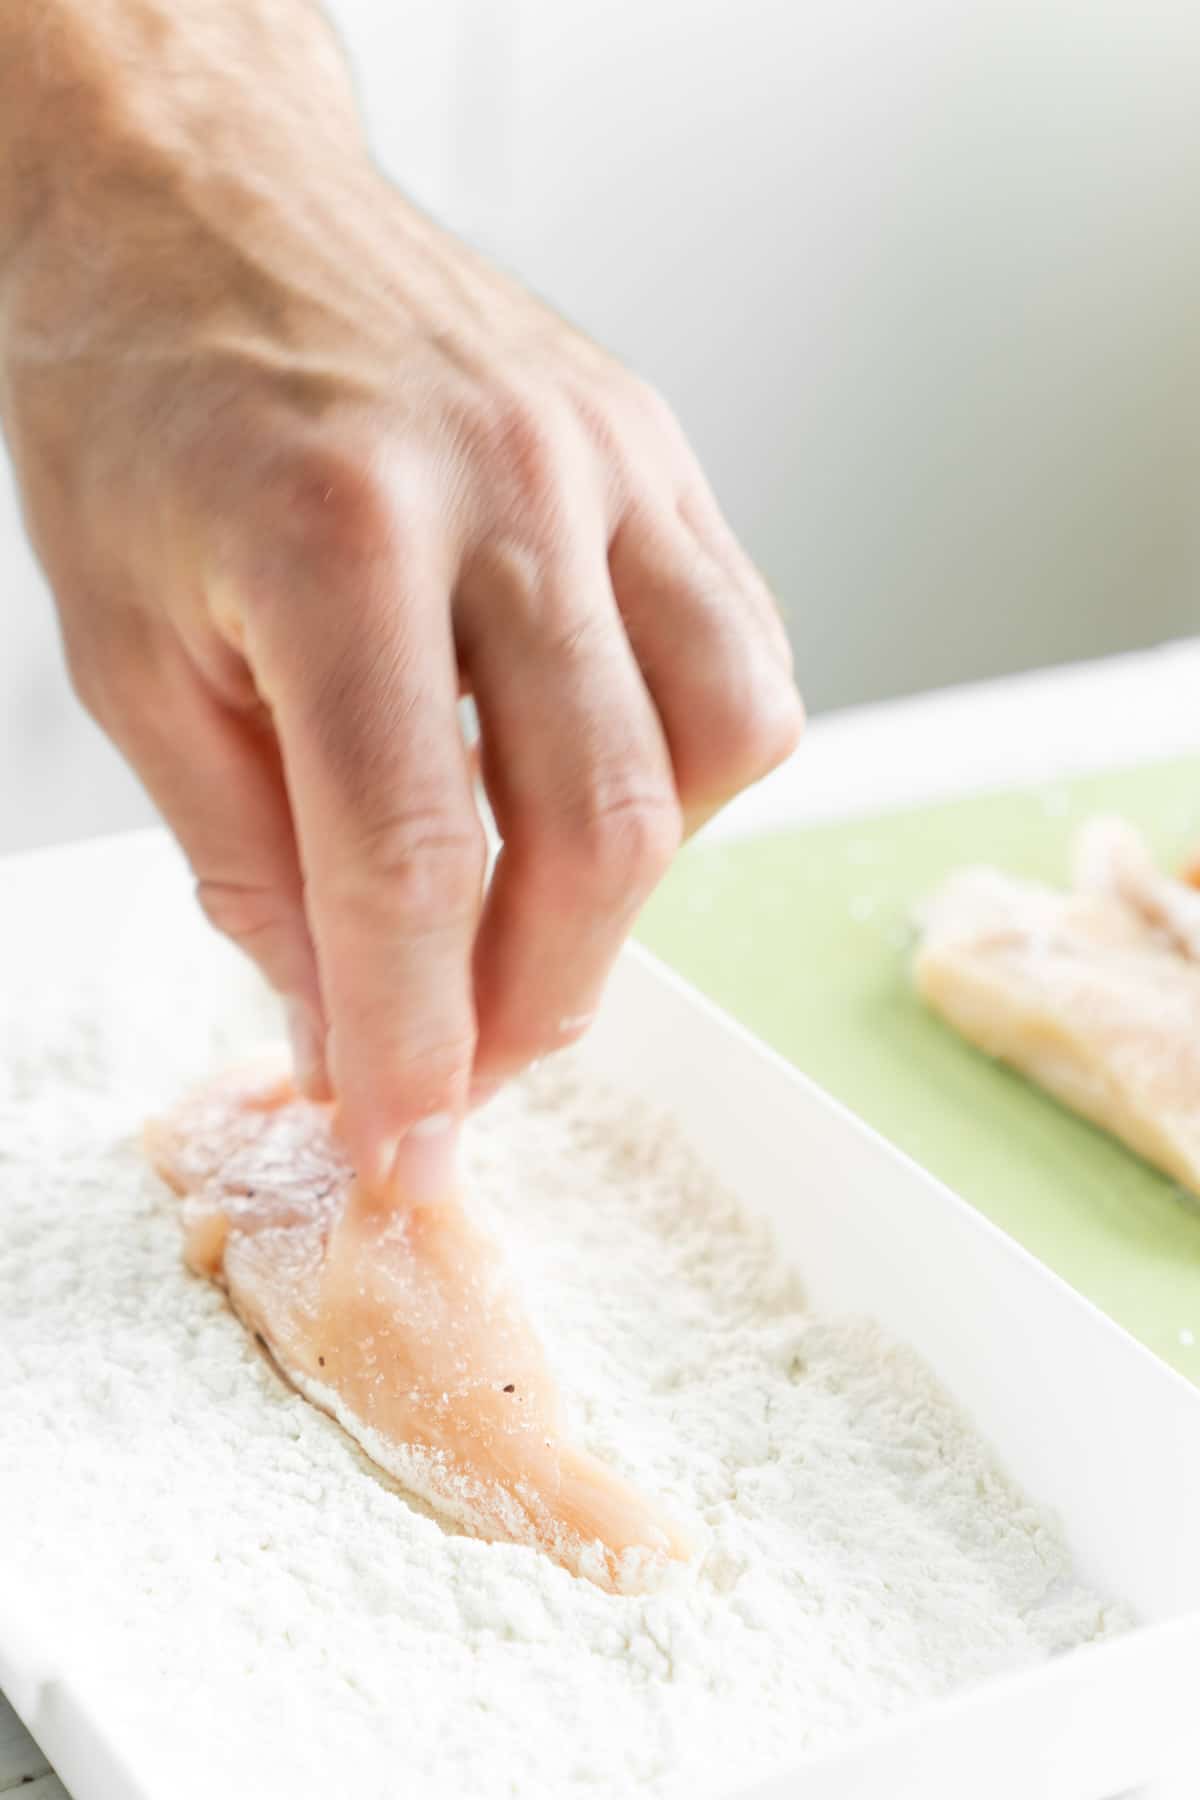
pixel 330 504
pixel 240 910
pixel 264 923
pixel 571 639
pixel 762 727
pixel 526 437
pixel 733 708
pixel 624 844
pixel 750 728
pixel 426 869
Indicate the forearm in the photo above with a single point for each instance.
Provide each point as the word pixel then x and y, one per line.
pixel 101 97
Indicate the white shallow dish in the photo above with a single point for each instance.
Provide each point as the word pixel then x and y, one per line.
pixel 1082 1416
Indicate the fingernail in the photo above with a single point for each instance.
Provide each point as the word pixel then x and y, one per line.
pixel 575 1024
pixel 424 1169
pixel 308 1051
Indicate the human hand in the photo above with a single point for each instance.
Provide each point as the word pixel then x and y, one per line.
pixel 301 469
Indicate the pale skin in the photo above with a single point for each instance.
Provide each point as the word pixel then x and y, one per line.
pixel 301 470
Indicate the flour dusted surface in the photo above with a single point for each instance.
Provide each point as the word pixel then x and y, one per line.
pixel 257 1612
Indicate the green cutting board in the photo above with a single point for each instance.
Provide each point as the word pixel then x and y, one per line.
pixel 805 936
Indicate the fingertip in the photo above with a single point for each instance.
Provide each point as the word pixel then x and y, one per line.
pixel 399 1160
pixel 424 1162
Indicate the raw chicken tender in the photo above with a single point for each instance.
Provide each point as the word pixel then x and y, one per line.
pixel 1094 994
pixel 1112 858
pixel 400 1321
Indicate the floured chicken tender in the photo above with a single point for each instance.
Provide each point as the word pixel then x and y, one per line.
pixel 1094 993
pixel 400 1321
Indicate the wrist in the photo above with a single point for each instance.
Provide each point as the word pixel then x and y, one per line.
pixel 107 107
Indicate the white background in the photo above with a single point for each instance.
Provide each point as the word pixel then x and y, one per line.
pixel 922 278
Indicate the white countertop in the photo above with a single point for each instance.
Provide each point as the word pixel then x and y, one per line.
pixel 1043 726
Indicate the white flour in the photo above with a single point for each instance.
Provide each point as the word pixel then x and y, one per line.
pixel 258 1613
